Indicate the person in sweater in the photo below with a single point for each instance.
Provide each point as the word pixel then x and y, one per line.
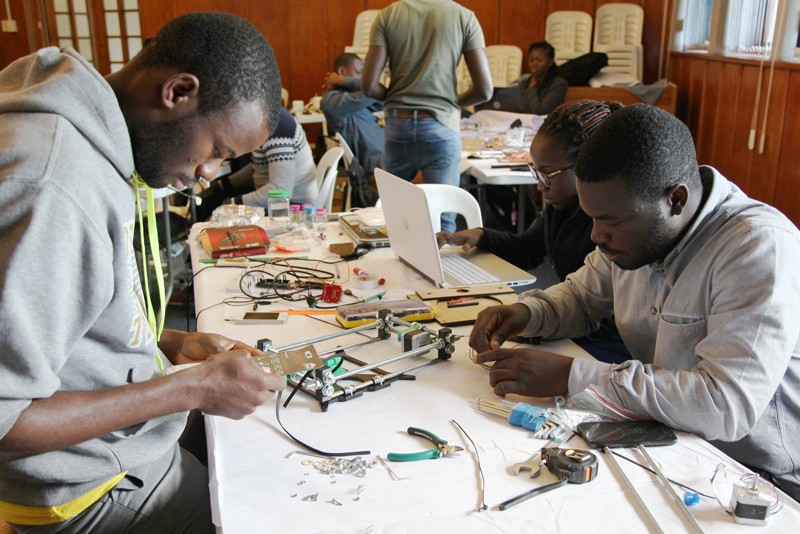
pixel 90 414
pixel 703 285
pixel 349 111
pixel 562 233
pixel 283 161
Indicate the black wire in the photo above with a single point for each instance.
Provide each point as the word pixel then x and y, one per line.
pixel 684 486
pixel 297 388
pixel 309 447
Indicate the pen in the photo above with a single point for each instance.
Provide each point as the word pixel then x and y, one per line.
pixel 376 296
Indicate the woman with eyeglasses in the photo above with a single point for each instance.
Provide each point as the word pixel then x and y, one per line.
pixel 562 233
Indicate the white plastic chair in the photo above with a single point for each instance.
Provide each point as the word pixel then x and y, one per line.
pixel 362 28
pixel 625 59
pixel 570 33
pixel 617 24
pixel 327 170
pixel 618 33
pixel 443 197
pixel 347 157
pixel 505 64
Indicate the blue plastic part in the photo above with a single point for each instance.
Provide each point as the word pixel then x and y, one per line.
pixel 527 416
pixel 691 498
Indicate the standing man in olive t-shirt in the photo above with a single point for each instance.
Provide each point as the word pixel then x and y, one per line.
pixel 423 41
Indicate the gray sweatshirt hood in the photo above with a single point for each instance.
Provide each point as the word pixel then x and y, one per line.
pixel 34 84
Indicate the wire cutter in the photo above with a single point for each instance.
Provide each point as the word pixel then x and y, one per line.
pixel 442 448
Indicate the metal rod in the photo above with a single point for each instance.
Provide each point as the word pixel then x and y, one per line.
pixel 369 326
pixel 402 355
pixel 670 490
pixel 613 461
pixel 394 321
pixel 378 379
pixel 351 346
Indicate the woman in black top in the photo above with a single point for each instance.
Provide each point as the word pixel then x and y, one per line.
pixel 562 233
pixel 542 90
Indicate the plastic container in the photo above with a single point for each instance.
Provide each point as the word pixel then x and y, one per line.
pixel 308 216
pixel 296 214
pixel 321 220
pixel 278 206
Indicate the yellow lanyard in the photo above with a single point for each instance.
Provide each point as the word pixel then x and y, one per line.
pixel 152 234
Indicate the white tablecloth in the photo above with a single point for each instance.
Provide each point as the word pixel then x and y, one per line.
pixel 258 485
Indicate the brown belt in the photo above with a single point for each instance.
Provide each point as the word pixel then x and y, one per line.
pixel 409 114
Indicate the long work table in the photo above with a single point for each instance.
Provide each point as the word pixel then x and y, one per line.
pixel 263 481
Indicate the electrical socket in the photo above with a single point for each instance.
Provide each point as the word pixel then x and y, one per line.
pixel 10 26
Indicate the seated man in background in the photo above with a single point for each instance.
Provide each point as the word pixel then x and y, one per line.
pixel 349 111
pixel 703 284
pixel 561 234
pixel 538 92
pixel 283 161
pixel 89 416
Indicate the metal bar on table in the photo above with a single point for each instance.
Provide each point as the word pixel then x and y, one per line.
pixel 671 491
pixel 632 489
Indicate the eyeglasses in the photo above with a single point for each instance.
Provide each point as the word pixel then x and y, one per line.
pixel 545 177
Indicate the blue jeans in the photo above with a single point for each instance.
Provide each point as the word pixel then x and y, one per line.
pixel 424 145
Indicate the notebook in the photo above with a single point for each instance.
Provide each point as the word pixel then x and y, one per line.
pixel 412 238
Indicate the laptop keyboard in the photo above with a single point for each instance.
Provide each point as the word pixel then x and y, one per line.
pixel 465 271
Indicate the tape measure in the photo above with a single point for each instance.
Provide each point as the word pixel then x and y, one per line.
pixel 576 466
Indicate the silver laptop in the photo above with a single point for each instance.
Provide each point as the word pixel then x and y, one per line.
pixel 411 236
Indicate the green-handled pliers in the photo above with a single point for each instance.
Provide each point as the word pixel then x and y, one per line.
pixel 442 448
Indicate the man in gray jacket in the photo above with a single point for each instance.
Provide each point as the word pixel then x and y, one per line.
pixel 702 281
pixel 89 415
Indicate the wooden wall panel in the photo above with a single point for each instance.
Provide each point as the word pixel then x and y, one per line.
pixel 528 18
pixel 16 45
pixel 704 133
pixel 725 119
pixel 763 168
pixel 787 187
pixel 717 97
pixel 487 15
pixel 271 20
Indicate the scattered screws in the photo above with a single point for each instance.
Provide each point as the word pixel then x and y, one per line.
pixel 312 497
pixel 301 482
pixel 293 495
pixel 334 501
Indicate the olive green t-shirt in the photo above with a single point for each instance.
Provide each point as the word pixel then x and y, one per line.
pixel 424 40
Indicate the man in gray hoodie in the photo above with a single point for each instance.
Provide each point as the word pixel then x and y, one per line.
pixel 89 417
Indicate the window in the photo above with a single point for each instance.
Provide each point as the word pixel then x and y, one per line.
pixel 750 26
pixel 123 31
pixel 73 26
pixel 736 27
pixel 694 22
